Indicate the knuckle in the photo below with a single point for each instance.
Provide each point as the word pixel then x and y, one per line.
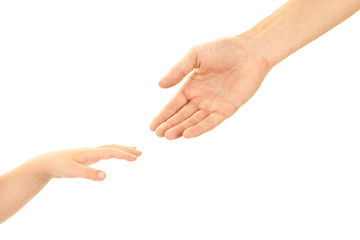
pixel 113 146
pixel 193 51
pixel 80 154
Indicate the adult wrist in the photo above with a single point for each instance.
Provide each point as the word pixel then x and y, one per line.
pixel 261 45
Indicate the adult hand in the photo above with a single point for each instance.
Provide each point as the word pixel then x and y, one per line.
pixel 223 75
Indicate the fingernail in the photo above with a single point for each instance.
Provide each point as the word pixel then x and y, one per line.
pixel 100 175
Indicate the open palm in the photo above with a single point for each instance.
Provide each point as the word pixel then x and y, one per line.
pixel 222 76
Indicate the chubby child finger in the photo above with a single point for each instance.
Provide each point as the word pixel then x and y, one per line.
pixel 97 154
pixel 131 150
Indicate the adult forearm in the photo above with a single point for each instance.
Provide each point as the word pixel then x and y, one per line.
pixel 297 23
pixel 19 186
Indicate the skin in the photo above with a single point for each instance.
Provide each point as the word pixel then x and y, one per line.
pixel 224 74
pixel 20 185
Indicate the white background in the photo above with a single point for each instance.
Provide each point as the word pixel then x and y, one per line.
pixel 84 73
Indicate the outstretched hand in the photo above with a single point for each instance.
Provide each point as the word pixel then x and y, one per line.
pixel 75 162
pixel 22 183
pixel 222 76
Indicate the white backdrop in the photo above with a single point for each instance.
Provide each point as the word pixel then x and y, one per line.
pixel 84 73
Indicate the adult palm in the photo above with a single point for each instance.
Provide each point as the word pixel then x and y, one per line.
pixel 222 76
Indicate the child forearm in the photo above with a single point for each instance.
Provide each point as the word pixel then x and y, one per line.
pixel 19 186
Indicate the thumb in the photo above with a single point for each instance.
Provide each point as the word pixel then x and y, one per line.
pixel 180 70
pixel 89 173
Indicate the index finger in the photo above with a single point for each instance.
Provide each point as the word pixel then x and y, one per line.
pixel 130 150
pixel 96 154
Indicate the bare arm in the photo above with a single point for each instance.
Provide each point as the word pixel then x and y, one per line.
pixel 297 23
pixel 225 73
pixel 20 185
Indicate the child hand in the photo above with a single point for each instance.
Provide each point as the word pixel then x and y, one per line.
pixel 20 185
pixel 74 162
